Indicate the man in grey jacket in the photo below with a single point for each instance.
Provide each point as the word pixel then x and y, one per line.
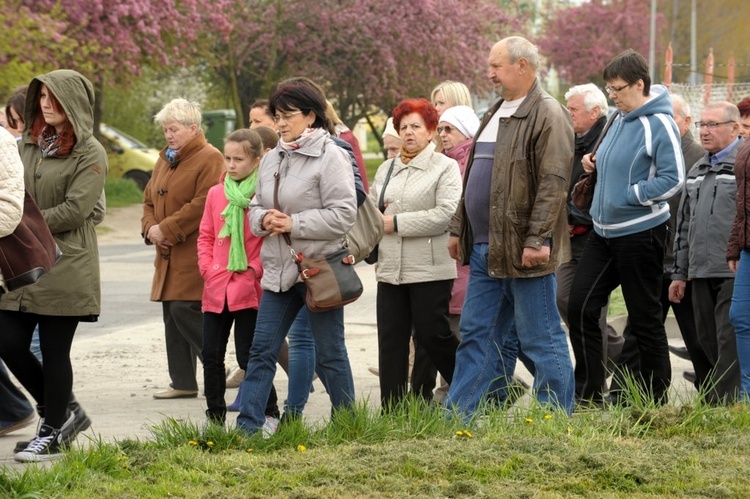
pixel 511 227
pixel 704 222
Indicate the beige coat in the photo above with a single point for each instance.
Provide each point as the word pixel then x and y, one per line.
pixel 423 195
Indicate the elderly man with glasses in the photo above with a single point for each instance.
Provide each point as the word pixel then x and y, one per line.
pixel 640 166
pixel 704 222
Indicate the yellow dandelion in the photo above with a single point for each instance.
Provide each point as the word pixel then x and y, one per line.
pixel 193 442
pixel 548 416
pixel 459 433
pixel 209 443
pixel 301 448
pixel 570 430
pixel 469 435
pixel 122 458
pixel 529 420
pixel 249 450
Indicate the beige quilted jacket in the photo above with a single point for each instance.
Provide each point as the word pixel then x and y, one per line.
pixel 11 186
pixel 424 195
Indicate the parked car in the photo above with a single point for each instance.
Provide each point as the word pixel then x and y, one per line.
pixel 128 157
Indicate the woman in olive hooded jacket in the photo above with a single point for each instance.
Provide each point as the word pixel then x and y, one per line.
pixel 64 171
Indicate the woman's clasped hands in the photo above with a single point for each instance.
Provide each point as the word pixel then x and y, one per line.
pixel 276 222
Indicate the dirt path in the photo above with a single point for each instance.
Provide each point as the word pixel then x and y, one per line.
pixel 121 225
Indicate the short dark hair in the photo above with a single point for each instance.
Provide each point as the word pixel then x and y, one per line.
pixel 307 82
pixel 631 67
pixel 422 107
pixel 306 98
pixel 17 102
pixel 744 107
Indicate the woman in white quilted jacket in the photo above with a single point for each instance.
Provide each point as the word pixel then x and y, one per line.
pixel 420 191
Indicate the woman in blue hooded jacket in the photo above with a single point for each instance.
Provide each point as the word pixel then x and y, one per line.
pixel 639 167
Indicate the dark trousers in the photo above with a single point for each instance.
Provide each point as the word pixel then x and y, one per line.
pixel 712 298
pixel 683 314
pixel 50 384
pixel 634 262
pixel 183 330
pixel 422 306
pixel 216 329
pixel 423 373
pixel 612 342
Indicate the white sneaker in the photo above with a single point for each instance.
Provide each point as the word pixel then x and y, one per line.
pixel 46 446
pixel 269 427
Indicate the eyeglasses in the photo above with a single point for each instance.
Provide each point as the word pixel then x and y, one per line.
pixel 711 126
pixel 615 90
pixel 285 116
pixel 447 129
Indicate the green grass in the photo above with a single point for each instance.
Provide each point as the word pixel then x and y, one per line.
pixel 616 304
pixel 372 167
pixel 417 451
pixel 122 192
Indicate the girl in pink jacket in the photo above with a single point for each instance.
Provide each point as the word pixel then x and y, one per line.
pixel 229 262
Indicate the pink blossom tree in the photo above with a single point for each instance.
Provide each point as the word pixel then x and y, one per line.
pixel 25 41
pixel 367 54
pixel 119 38
pixel 580 41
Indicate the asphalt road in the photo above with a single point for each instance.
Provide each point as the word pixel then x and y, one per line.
pixel 126 272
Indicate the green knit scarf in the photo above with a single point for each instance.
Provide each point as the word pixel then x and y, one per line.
pixel 238 194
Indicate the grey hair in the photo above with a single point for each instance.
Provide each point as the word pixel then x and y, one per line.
pixel 180 110
pixel 681 105
pixel 731 112
pixel 519 47
pixel 592 97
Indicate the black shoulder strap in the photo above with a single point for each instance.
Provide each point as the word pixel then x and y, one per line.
pixel 381 202
pixel 604 132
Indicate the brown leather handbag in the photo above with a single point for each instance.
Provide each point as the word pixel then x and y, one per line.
pixel 331 280
pixel 31 251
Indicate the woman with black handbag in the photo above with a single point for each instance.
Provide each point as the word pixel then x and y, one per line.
pixel 65 169
pixel 305 192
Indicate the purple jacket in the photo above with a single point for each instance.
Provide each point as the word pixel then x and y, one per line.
pixel 461 154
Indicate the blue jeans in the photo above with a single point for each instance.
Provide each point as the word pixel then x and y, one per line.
pixel 14 406
pixel 498 317
pixel 739 315
pixel 301 363
pixel 275 316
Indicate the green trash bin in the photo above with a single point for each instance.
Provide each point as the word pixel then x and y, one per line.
pixel 217 124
